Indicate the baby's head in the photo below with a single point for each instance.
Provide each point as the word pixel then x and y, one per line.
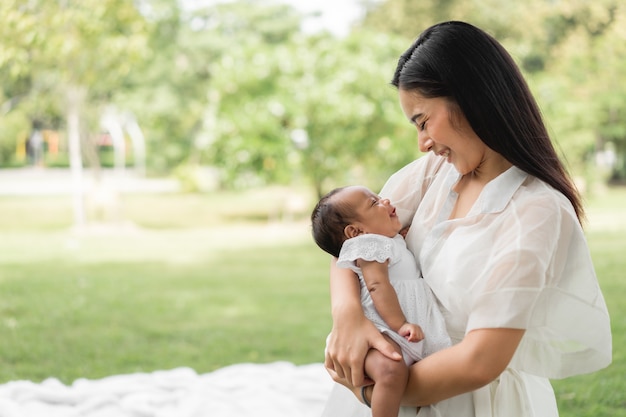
pixel 350 211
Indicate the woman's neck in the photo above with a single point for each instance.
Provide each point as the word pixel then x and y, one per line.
pixel 470 185
pixel 492 165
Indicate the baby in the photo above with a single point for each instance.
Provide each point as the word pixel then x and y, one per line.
pixel 363 231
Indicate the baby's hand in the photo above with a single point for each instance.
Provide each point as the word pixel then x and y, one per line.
pixel 411 332
pixel 404 231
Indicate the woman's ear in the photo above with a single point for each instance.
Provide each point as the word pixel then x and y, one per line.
pixel 352 231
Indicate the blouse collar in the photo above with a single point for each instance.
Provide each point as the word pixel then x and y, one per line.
pixel 498 192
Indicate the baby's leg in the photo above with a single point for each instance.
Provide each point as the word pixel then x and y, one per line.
pixel 390 378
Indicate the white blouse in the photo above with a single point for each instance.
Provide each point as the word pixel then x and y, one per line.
pixel 519 259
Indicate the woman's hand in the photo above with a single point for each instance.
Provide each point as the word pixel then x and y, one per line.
pixel 346 347
pixel 353 335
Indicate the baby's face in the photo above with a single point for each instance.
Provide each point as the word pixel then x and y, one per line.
pixel 375 215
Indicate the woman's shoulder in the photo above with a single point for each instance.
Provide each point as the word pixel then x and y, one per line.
pixel 538 215
pixel 537 193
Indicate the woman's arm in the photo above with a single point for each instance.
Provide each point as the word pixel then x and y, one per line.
pixel 474 362
pixel 352 335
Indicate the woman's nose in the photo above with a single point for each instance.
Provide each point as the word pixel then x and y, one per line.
pixel 424 143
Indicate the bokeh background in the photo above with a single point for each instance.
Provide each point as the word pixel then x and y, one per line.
pixel 159 160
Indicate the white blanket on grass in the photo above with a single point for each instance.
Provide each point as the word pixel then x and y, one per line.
pixel 244 390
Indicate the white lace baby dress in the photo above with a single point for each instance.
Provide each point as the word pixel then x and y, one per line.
pixel 415 297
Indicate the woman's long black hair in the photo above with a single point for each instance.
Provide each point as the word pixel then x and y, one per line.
pixel 465 64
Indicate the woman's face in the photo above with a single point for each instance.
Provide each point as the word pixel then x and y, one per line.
pixel 436 131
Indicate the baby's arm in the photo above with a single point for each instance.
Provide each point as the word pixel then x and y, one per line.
pixel 376 276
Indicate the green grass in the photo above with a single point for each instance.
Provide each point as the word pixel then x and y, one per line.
pixel 100 305
pixel 198 281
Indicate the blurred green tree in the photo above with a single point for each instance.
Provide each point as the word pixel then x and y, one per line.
pixel 347 112
pixel 240 87
pixel 581 86
pixel 55 49
pixel 288 105
pixel 73 53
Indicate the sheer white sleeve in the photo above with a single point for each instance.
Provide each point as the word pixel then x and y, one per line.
pixel 543 280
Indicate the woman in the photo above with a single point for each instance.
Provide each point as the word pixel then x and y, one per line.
pixel 496 229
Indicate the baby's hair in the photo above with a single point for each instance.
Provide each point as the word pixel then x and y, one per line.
pixel 328 220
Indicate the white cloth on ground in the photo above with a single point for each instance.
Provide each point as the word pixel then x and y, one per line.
pixel 278 389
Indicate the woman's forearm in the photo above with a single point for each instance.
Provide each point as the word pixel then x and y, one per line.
pixel 345 291
pixel 474 362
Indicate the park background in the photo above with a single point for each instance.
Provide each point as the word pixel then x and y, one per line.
pixel 159 158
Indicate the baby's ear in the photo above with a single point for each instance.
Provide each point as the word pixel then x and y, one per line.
pixel 351 231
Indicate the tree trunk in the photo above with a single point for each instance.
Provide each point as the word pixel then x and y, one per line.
pixel 75 97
